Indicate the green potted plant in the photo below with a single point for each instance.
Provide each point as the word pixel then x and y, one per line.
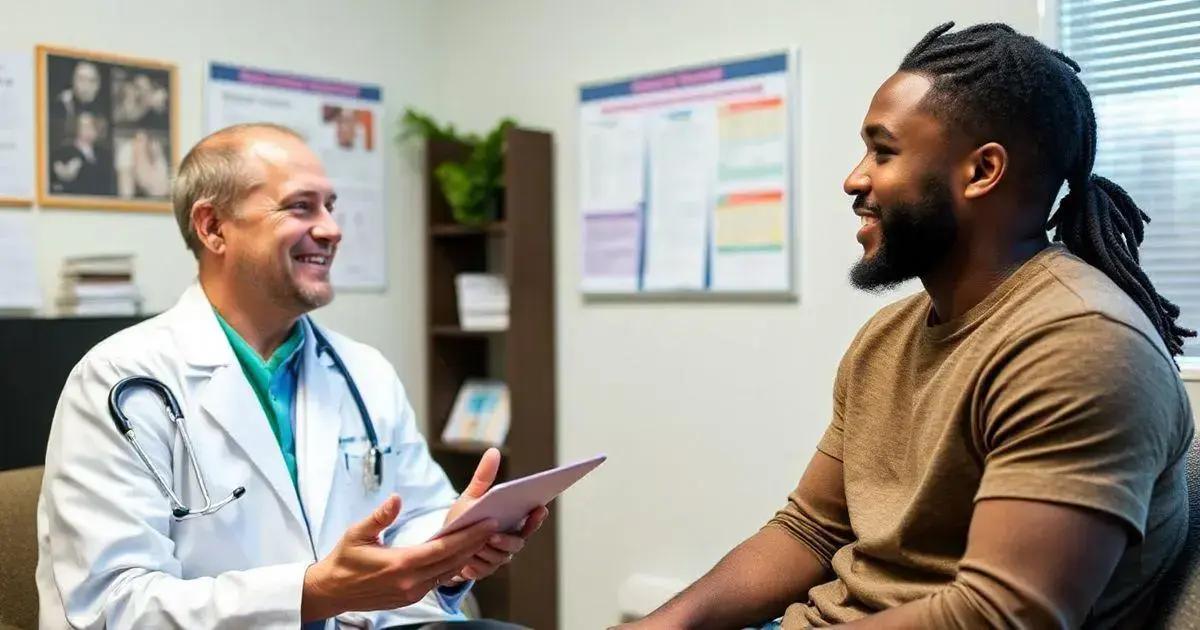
pixel 474 187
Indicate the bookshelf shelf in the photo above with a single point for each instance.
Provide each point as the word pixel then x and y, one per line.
pixel 464 448
pixel 457 331
pixel 454 229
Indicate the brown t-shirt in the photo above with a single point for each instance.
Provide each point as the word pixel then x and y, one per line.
pixel 1055 387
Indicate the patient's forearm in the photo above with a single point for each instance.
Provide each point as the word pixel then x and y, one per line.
pixel 753 583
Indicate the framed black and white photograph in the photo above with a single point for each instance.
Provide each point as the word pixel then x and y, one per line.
pixel 106 130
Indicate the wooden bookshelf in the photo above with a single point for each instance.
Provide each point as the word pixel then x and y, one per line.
pixel 456 331
pixel 519 245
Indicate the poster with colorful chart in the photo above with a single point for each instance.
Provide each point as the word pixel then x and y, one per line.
pixel 686 181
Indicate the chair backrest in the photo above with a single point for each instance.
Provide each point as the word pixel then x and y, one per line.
pixel 1178 598
pixel 19 491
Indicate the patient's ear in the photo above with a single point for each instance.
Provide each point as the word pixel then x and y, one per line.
pixel 985 168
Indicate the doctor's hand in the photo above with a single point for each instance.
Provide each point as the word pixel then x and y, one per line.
pixel 362 574
pixel 501 547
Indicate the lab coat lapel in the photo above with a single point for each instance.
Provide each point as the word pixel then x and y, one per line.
pixel 322 392
pixel 230 402
pixel 227 397
pixel 197 333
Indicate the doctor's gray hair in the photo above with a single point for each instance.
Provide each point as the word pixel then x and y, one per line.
pixel 214 171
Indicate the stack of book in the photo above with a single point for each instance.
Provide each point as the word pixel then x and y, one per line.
pixel 482 301
pixel 98 286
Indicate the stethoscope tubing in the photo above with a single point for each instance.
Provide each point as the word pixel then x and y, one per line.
pixel 182 512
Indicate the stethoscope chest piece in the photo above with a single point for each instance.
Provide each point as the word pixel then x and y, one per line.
pixel 372 469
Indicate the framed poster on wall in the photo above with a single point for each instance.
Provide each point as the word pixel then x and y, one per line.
pixel 686 181
pixel 106 130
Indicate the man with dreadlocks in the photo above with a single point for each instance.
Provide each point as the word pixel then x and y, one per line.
pixel 1007 447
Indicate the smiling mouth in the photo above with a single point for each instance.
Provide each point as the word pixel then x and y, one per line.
pixel 868 224
pixel 314 259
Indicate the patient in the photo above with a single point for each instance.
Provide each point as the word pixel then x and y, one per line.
pixel 1007 446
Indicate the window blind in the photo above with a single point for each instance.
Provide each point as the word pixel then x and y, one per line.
pixel 1141 63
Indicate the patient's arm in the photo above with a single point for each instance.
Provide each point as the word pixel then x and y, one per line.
pixel 1028 564
pixel 773 568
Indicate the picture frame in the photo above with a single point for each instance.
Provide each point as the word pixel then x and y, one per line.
pixel 15 202
pixel 107 130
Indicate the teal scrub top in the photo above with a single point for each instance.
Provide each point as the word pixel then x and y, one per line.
pixel 274 383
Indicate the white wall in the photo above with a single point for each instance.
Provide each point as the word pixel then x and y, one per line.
pixel 375 41
pixel 709 412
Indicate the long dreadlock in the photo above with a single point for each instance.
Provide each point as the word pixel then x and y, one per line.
pixel 1007 87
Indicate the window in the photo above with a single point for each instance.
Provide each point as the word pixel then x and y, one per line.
pixel 1141 62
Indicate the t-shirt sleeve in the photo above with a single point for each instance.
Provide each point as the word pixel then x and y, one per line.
pixel 1085 412
pixel 833 441
pixel 816 515
pixel 817 518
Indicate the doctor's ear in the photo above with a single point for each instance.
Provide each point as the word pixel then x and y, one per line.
pixel 208 225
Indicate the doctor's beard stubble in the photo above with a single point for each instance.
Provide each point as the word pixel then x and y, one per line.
pixel 283 288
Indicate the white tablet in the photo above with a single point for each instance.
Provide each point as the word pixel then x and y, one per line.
pixel 510 502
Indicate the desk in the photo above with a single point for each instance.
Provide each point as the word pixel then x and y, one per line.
pixel 36 355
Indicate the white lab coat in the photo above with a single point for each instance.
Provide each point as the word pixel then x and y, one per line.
pixel 111 555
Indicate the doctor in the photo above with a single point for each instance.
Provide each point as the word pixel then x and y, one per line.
pixel 315 540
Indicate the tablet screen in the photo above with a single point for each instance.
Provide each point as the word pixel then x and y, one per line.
pixel 510 502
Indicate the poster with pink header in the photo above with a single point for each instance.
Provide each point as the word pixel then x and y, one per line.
pixel 685 181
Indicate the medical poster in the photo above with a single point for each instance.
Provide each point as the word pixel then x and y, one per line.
pixel 685 181
pixel 19 288
pixel 16 129
pixel 342 122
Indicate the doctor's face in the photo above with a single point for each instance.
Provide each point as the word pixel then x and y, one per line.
pixel 282 238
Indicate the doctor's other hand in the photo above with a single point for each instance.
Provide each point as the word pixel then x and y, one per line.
pixel 362 574
pixel 501 547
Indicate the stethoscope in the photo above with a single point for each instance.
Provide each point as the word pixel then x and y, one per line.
pixel 372 462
